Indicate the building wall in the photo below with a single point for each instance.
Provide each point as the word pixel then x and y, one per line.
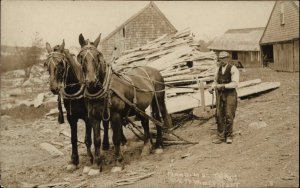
pixel 296 55
pixel 275 31
pixel 147 26
pixel 244 57
pixel 284 57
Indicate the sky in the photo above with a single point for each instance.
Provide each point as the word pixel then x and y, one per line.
pixel 54 21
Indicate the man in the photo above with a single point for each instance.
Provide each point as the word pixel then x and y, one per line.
pixel 225 84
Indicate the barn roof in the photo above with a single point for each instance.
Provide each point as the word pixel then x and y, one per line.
pixel 136 15
pixel 238 40
pixel 274 31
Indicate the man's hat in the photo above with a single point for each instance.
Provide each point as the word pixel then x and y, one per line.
pixel 223 55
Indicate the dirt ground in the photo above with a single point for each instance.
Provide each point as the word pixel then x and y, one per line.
pixel 264 152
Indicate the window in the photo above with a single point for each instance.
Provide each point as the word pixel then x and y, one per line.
pixel 282 13
pixel 234 55
pixel 124 32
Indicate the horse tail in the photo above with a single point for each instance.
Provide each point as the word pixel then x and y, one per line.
pixel 158 107
pixel 165 115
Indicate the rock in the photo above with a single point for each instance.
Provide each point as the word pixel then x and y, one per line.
pixel 71 167
pixel 86 169
pixel 38 100
pixel 52 150
pixel 27 185
pixel 185 155
pixel 258 125
pixel 116 169
pixel 159 151
pixel 94 172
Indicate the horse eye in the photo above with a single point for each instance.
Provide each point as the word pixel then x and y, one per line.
pixel 83 69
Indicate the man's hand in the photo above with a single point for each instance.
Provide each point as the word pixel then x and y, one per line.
pixel 211 90
pixel 220 87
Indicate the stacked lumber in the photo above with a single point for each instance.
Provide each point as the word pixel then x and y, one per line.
pixel 187 72
pixel 178 59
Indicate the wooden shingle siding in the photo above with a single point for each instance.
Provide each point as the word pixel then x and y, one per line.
pixel 143 27
pixel 296 55
pixel 275 31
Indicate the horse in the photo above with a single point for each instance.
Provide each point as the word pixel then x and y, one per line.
pixel 66 80
pixel 142 86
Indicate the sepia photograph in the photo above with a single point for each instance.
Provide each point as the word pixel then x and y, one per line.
pixel 149 94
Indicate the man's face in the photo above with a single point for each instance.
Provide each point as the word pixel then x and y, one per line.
pixel 223 61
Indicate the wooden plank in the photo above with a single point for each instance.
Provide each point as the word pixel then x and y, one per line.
pixel 190 81
pixel 249 83
pixel 175 73
pixel 189 101
pixel 174 91
pixel 265 86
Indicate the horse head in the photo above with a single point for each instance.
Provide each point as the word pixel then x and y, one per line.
pixel 56 65
pixel 92 62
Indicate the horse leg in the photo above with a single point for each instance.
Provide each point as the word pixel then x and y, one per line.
pixel 105 145
pixel 147 144
pixel 88 140
pixel 97 142
pixel 74 157
pixel 159 140
pixel 117 127
pixel 123 138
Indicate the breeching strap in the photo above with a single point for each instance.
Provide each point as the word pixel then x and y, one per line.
pixel 137 109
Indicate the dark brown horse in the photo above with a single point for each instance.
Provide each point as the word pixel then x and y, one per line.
pixel 66 79
pixel 142 86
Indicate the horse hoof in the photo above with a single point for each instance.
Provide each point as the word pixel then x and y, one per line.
pixel 116 169
pixel 124 147
pixel 86 169
pixel 146 150
pixel 105 147
pixel 159 151
pixel 94 172
pixel 71 167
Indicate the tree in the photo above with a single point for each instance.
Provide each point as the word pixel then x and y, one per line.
pixel 31 56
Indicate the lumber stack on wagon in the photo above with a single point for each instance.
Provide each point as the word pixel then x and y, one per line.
pixel 178 59
pixel 187 72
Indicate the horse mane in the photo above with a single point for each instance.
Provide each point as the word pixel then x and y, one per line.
pixel 74 65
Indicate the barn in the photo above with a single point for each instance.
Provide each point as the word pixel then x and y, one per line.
pixel 242 44
pixel 146 25
pixel 280 41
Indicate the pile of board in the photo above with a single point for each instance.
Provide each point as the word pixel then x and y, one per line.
pixel 177 57
pixel 187 71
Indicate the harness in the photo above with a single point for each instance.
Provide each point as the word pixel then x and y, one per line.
pixel 62 92
pixel 106 91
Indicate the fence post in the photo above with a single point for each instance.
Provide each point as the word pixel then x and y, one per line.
pixel 201 87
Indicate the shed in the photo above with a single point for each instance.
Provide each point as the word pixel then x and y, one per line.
pixel 146 25
pixel 280 40
pixel 242 44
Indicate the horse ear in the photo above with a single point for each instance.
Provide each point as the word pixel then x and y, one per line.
pixel 62 46
pixel 48 47
pixel 81 40
pixel 97 41
pixel 79 58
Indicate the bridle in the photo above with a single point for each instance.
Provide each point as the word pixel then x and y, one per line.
pixel 105 85
pixel 54 58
